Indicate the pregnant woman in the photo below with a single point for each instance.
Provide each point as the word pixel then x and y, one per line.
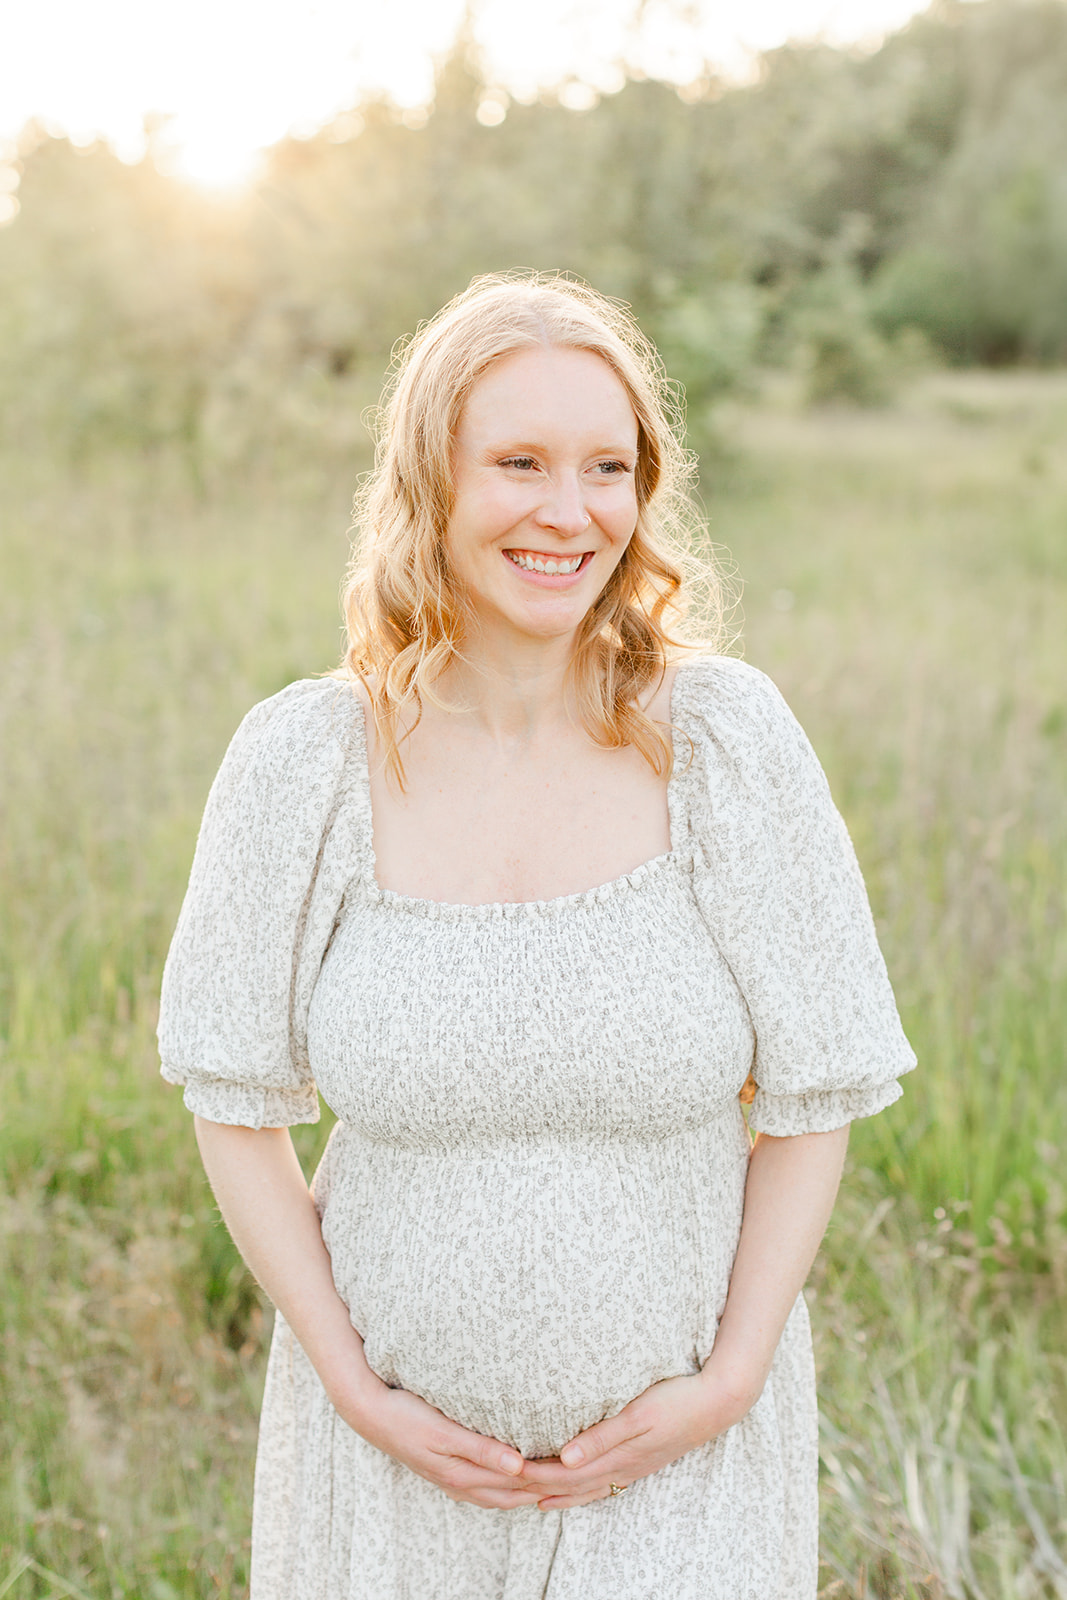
pixel 529 891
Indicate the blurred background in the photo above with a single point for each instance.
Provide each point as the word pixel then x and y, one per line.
pixel 847 232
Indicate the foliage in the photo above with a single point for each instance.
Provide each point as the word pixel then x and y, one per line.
pixel 982 263
pixel 135 311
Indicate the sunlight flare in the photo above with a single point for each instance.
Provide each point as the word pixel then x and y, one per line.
pixel 234 79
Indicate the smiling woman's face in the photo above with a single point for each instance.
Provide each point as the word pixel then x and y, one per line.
pixel 545 499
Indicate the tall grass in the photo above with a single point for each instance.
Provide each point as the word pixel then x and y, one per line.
pixel 905 579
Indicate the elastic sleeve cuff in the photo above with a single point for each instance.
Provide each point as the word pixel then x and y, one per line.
pixel 244 1105
pixel 819 1110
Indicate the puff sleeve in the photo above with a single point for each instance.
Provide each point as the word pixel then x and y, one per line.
pixel 283 835
pixel 780 890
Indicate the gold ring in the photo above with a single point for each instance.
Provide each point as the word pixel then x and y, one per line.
pixel 618 1488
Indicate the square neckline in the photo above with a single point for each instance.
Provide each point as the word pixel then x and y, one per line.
pixel 632 879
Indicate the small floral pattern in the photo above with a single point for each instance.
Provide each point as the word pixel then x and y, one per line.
pixel 533 1194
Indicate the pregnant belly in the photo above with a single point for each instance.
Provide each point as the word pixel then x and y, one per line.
pixel 528 1294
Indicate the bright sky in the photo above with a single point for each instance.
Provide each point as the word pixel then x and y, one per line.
pixel 236 75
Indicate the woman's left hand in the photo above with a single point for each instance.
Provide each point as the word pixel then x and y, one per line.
pixel 663 1423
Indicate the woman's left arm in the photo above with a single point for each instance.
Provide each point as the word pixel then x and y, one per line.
pixel 789 1194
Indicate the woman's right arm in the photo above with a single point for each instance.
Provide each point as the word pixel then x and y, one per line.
pixel 265 1202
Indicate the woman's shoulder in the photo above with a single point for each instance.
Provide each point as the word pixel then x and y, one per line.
pixel 292 752
pixel 723 697
pixel 741 741
pixel 311 715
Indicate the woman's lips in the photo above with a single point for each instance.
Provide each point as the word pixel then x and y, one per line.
pixel 549 564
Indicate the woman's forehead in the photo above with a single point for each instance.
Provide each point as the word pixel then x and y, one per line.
pixel 549 390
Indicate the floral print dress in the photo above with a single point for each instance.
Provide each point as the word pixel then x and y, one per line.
pixel 533 1194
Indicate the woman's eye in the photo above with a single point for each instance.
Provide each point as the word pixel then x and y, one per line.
pixel 522 463
pixel 613 469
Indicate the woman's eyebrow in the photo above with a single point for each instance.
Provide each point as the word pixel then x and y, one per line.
pixel 535 447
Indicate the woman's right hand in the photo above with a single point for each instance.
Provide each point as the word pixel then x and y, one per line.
pixel 465 1465
pixel 262 1195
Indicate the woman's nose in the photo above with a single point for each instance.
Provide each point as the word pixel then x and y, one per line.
pixel 563 508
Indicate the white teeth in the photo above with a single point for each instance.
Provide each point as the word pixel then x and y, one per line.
pixel 564 566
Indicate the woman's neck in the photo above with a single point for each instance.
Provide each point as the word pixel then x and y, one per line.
pixel 513 693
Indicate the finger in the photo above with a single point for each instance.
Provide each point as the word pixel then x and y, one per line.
pixel 500 1499
pixel 556 1478
pixel 589 1481
pixel 562 1482
pixel 564 1502
pixel 544 1466
pixel 598 1440
pixel 465 1477
pixel 475 1448
pixel 492 1454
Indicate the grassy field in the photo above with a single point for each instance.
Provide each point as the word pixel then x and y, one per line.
pixel 906 573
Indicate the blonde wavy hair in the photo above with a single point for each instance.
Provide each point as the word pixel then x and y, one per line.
pixel 405 613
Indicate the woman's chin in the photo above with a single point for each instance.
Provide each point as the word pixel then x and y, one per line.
pixel 548 619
